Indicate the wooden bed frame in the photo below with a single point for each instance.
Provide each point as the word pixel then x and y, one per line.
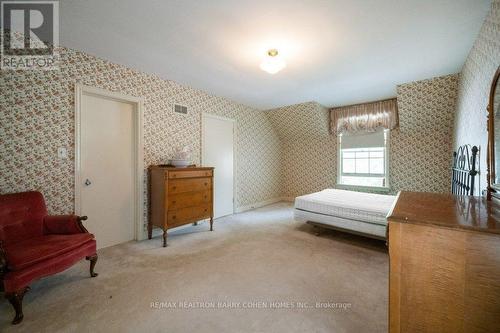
pixel 464 171
pixel 318 225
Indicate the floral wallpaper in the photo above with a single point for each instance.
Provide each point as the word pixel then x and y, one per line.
pixel 420 148
pixel 309 119
pixel 308 150
pixel 282 152
pixel 474 89
pixel 37 117
pixel 309 165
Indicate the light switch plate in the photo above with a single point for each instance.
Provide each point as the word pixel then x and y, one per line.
pixel 62 153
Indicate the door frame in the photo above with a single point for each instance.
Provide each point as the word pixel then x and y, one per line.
pixel 138 102
pixel 203 126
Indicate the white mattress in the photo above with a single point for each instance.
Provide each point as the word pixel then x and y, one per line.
pixel 358 206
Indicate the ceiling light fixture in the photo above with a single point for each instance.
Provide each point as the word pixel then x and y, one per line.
pixel 273 63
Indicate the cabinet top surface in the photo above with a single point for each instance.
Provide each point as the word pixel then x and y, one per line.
pixel 446 210
pixel 172 168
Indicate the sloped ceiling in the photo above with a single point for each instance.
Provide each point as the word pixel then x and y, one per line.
pixel 298 121
pixel 338 52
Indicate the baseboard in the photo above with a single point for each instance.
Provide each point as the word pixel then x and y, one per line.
pixel 158 232
pixel 257 205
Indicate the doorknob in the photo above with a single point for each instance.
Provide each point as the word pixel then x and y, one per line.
pixel 87 182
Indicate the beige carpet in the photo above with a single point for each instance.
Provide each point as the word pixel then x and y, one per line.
pixel 259 271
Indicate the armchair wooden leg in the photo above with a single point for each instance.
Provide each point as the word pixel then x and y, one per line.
pixel 16 299
pixel 93 261
pixel 211 224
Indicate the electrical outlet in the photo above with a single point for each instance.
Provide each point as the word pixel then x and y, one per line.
pixel 62 153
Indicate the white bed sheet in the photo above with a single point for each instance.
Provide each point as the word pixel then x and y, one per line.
pixel 358 206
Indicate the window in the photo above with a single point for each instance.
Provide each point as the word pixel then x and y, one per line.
pixel 363 160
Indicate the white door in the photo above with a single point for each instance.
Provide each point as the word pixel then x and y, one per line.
pixel 107 168
pixel 218 152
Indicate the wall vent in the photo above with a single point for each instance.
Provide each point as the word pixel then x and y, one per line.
pixel 180 109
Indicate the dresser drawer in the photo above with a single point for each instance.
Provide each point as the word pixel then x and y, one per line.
pixel 189 199
pixel 186 215
pixel 189 174
pixel 189 185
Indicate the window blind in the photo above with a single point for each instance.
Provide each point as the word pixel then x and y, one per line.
pixel 370 140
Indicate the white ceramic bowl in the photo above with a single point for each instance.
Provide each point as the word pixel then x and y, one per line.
pixel 180 163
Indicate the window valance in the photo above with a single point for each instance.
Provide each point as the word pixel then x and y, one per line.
pixel 368 117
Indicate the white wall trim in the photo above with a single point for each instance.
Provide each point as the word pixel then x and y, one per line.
pixel 80 90
pixel 211 115
pixel 158 232
pixel 257 205
pixel 235 152
pixel 387 149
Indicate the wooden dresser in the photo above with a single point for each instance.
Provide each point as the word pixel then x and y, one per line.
pixel 444 264
pixel 178 196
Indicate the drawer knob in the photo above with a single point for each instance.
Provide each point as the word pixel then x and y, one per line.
pixel 206 184
pixel 173 217
pixel 205 196
pixel 173 202
pixel 174 187
pixel 206 209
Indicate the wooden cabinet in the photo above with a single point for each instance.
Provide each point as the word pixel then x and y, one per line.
pixel 179 196
pixel 444 264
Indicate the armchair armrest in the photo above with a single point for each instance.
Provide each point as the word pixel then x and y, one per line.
pixel 64 224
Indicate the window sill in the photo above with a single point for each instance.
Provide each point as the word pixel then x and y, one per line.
pixel 376 189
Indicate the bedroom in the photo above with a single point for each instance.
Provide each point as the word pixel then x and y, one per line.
pixel 194 90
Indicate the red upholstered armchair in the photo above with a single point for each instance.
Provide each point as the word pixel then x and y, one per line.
pixel 34 244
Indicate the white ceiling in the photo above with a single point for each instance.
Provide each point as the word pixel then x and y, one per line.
pixel 338 52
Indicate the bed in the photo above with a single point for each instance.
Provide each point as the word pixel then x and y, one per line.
pixel 354 212
pixel 366 213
